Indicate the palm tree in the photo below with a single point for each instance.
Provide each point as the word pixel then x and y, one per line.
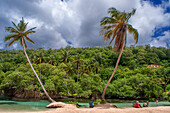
pixel 115 27
pixel 68 67
pixel 78 61
pixel 65 56
pixel 19 33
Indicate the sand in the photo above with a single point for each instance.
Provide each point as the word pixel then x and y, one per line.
pixel 160 109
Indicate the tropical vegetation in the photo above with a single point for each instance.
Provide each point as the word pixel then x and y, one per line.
pixel 132 80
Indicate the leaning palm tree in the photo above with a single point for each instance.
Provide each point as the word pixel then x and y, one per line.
pixel 19 33
pixel 115 27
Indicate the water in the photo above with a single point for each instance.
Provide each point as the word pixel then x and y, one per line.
pixel 36 105
pixel 9 105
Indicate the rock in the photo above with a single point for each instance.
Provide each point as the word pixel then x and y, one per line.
pixel 107 105
pixel 60 105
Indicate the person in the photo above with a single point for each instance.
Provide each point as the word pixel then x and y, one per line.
pixel 147 103
pixel 139 104
pixel 156 102
pixel 144 105
pixel 91 103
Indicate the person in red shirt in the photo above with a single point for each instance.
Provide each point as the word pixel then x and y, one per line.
pixel 156 102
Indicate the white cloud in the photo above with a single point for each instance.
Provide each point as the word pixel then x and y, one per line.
pixel 147 18
pixel 15 45
pixel 78 21
pixel 161 41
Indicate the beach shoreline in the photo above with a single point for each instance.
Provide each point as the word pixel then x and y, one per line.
pixel 159 109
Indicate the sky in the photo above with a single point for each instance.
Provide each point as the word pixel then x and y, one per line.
pixel 76 23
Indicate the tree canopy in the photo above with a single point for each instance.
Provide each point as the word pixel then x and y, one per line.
pixel 133 79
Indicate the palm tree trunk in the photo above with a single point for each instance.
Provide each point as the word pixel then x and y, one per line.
pixel 67 90
pixel 49 98
pixel 77 73
pixel 112 73
pixel 77 77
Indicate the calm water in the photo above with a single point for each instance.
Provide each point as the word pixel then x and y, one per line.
pixel 34 105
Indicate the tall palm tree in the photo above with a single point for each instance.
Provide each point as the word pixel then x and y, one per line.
pixel 68 67
pixel 19 33
pixel 115 27
pixel 78 61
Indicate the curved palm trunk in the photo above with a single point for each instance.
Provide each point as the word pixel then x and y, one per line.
pixel 112 74
pixel 49 98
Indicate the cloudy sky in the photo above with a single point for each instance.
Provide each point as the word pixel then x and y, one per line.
pixel 77 22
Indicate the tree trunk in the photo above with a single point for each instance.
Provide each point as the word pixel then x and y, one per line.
pixel 77 77
pixel 49 98
pixel 77 73
pixel 66 84
pixel 103 98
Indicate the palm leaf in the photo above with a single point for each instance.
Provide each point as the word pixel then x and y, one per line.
pixel 11 30
pixel 8 45
pixel 24 43
pixel 28 32
pixel 30 40
pixel 130 14
pixel 15 25
pixel 31 29
pixel 113 12
pixel 8 37
pixel 24 26
pixel 113 37
pixel 134 32
pixel 107 20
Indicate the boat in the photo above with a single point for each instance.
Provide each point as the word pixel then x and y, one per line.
pixel 136 105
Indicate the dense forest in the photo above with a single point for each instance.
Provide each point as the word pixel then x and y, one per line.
pixel 83 72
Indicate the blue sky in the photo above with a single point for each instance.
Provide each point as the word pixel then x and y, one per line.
pixel 160 31
pixel 77 22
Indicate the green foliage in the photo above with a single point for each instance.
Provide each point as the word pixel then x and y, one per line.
pixel 97 101
pixel 74 102
pixel 87 71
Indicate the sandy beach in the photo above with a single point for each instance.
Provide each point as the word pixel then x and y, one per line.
pixel 160 109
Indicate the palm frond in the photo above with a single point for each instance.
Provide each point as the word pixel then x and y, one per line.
pixel 15 39
pixel 133 12
pixel 113 37
pixel 130 14
pixel 30 40
pixel 31 29
pixel 9 37
pixel 28 32
pixel 21 42
pixel 15 25
pixel 24 26
pixel 119 41
pixel 134 32
pixel 113 12
pixel 107 20
pixel 25 43
pixel 107 35
pixel 8 45
pixel 11 30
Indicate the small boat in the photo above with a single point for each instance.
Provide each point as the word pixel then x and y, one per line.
pixel 136 105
